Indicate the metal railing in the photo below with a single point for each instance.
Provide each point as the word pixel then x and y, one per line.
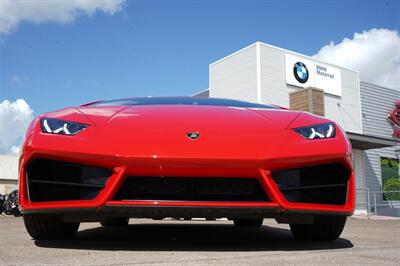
pixel 378 202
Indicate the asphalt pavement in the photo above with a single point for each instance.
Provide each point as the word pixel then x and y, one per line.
pixel 170 242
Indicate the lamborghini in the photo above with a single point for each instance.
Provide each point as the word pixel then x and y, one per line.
pixel 185 157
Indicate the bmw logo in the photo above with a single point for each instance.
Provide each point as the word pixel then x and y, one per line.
pixel 300 72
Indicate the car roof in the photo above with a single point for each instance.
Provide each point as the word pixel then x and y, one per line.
pixel 181 100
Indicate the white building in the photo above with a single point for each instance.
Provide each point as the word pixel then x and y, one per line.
pixel 8 173
pixel 267 74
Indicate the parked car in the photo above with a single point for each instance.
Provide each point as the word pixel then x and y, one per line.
pixel 185 157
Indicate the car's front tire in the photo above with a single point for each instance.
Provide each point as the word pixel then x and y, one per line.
pixel 324 228
pixel 46 226
pixel 254 223
pixel 115 222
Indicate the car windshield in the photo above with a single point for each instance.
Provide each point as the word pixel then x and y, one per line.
pixel 182 101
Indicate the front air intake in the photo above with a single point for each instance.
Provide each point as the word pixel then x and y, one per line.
pixel 51 180
pixel 323 184
pixel 191 189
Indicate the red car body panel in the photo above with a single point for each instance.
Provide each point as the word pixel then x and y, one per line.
pixel 150 140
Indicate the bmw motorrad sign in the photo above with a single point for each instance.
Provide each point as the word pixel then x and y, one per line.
pixel 304 73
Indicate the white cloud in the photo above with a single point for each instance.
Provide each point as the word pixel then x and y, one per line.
pixel 14 149
pixel 374 53
pixel 13 12
pixel 14 119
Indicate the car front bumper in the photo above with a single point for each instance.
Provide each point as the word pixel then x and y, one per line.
pixel 106 204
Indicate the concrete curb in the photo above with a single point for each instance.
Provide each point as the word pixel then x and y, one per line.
pixel 374 217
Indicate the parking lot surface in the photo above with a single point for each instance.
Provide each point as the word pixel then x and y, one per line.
pixel 170 242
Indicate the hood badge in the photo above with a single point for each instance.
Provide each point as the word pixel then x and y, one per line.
pixel 193 135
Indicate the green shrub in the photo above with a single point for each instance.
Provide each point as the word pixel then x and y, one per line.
pixel 389 168
pixel 391 184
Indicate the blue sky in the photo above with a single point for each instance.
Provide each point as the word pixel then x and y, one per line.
pixel 165 47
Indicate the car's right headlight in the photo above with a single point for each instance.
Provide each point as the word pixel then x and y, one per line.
pixel 61 127
pixel 321 131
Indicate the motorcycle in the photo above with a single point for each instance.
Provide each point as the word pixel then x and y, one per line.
pixel 10 204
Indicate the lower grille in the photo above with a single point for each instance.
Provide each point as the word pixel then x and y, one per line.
pixel 191 189
pixel 50 180
pixel 323 184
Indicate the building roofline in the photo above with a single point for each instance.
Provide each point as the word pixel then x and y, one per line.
pixel 232 54
pixel 376 85
pixel 196 93
pixel 366 141
pixel 9 156
pixel 284 50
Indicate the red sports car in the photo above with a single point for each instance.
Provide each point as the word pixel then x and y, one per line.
pixel 185 157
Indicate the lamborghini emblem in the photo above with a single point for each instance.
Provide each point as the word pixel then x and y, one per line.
pixel 193 135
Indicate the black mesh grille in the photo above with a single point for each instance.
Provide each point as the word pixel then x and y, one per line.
pixel 324 184
pixel 50 180
pixel 191 189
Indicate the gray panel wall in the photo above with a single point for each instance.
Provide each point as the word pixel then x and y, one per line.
pixel 235 76
pixel 372 169
pixel 377 102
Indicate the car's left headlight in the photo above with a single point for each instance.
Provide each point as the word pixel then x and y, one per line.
pixel 62 127
pixel 321 131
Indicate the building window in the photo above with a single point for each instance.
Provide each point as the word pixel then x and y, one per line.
pixel 390 178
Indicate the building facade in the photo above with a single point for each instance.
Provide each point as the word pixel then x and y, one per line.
pixel 8 173
pixel 376 103
pixel 266 74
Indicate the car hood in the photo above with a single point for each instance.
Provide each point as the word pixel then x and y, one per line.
pixel 163 129
pixel 170 114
